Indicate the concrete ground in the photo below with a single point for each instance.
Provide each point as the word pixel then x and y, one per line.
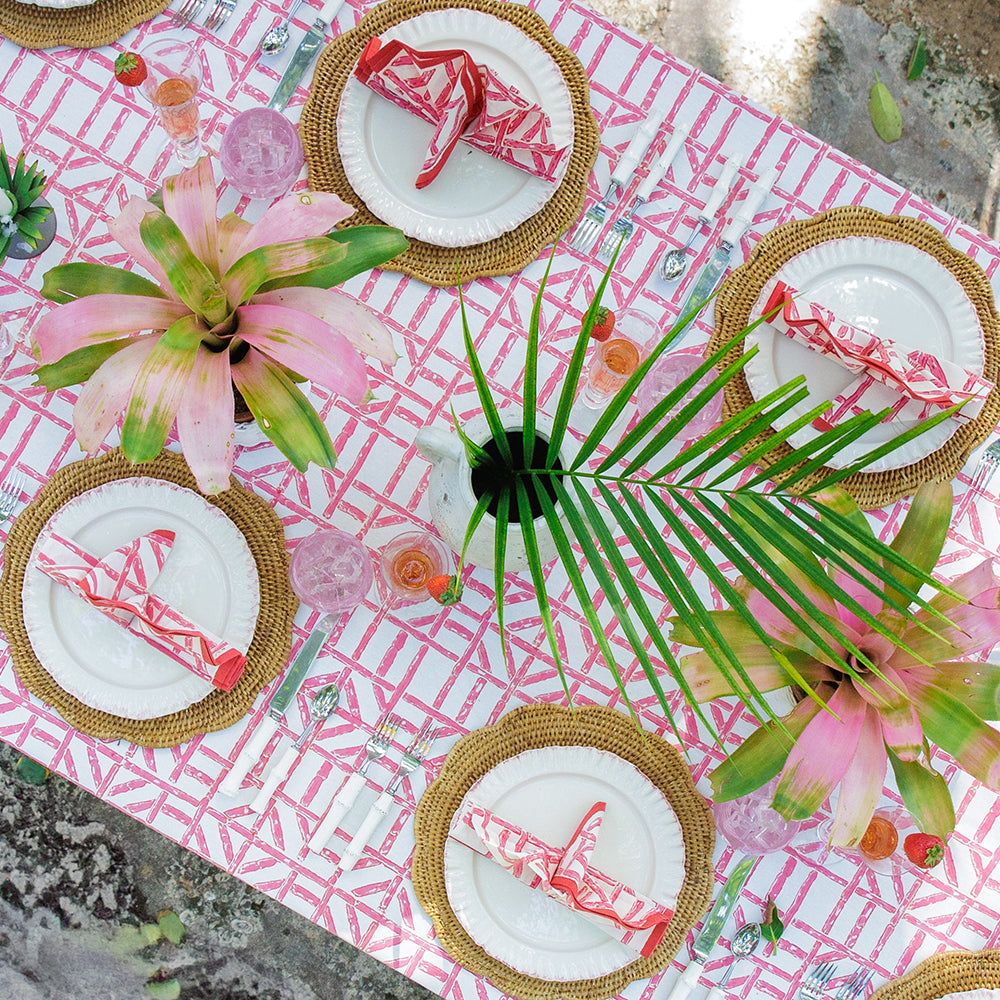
pixel 72 870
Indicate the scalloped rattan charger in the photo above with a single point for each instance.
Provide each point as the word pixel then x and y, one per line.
pixel 272 636
pixel 529 728
pixel 741 290
pixel 950 972
pixel 88 27
pixel 436 265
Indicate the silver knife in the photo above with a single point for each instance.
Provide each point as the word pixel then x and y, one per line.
pixel 718 263
pixel 280 700
pixel 304 54
pixel 712 928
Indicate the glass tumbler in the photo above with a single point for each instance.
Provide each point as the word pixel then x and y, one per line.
pixel 261 153
pixel 173 80
pixel 409 561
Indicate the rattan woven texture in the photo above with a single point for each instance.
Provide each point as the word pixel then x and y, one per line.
pixel 950 972
pixel 532 727
pixel 272 638
pixel 88 27
pixel 741 290
pixel 439 266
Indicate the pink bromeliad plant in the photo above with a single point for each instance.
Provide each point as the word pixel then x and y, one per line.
pixel 230 304
pixel 885 682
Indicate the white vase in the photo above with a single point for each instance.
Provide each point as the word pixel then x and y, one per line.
pixel 453 500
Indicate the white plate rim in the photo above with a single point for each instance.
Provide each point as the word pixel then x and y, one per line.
pixel 665 872
pixel 480 30
pixel 917 267
pixel 181 688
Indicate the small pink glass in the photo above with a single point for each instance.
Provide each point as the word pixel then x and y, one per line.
pixel 750 825
pixel 666 374
pixel 409 561
pixel 261 153
pixel 616 358
pixel 331 570
pixel 173 80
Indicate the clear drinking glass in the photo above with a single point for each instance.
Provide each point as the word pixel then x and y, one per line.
pixel 331 570
pixel 666 374
pixel 261 153
pixel 174 77
pixel 409 561
pixel 750 825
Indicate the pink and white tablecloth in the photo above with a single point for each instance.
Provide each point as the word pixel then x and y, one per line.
pixel 100 146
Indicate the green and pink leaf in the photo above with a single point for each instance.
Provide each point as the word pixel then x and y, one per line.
pixel 305 214
pixel 124 230
pixel 305 345
pixel 98 318
pixel 205 421
pixel 190 199
pixel 861 786
pixel 337 309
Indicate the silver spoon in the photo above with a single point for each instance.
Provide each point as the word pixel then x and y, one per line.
pixel 747 938
pixel 675 263
pixel 275 39
pixel 323 704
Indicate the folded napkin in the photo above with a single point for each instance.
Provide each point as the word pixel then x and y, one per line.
pixel 924 383
pixel 565 874
pixel 463 101
pixel 117 586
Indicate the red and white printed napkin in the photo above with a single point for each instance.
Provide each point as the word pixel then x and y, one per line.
pixel 118 586
pixel 464 101
pixel 924 383
pixel 565 873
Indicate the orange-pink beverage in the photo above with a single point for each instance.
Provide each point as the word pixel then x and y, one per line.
pixel 178 109
pixel 411 570
pixel 616 360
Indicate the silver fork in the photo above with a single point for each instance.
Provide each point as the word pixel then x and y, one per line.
pixel 814 985
pixel 221 13
pixel 188 12
pixel 377 745
pixel 413 757
pixel 854 986
pixel 590 225
pixel 10 493
pixel 624 224
pixel 989 462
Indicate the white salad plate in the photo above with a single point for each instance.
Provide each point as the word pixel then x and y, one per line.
pixel 893 290
pixel 475 198
pixel 209 575
pixel 548 791
pixel 983 994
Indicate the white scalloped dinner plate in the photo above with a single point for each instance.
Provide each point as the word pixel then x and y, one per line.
pixel 58 4
pixel 210 575
pixel 891 289
pixel 548 791
pixel 475 198
pixel 974 995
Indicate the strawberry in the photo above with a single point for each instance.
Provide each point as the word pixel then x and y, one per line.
pixel 130 69
pixel 604 324
pixel 445 589
pixel 925 850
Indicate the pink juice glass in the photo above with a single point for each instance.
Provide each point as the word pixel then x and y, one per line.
pixel 331 570
pixel 666 374
pixel 173 80
pixel 750 825
pixel 261 153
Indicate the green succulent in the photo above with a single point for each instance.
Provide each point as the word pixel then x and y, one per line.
pixel 20 188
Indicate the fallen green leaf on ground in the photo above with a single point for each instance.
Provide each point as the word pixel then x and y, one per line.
pixel 163 989
pixel 170 924
pixel 918 59
pixel 772 928
pixel 884 112
pixel 31 772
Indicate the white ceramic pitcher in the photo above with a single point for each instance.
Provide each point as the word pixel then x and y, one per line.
pixel 452 499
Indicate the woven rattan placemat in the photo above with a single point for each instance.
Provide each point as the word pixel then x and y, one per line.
pixel 439 266
pixel 98 23
pixel 950 972
pixel 741 290
pixel 533 727
pixel 272 636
